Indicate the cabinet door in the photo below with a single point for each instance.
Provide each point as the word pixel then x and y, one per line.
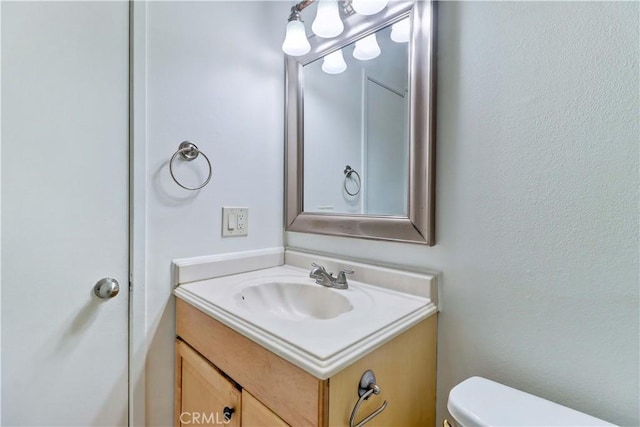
pixel 202 393
pixel 255 414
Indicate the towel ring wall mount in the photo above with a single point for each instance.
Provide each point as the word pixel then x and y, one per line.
pixel 188 151
pixel 366 388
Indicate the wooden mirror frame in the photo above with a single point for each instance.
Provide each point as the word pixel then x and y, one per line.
pixel 419 226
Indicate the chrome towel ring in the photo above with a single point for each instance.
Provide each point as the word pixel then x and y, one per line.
pixel 348 171
pixel 188 151
pixel 366 388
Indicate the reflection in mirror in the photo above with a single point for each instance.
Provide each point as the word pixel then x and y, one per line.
pixel 357 118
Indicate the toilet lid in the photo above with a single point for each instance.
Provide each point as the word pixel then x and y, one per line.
pixel 484 403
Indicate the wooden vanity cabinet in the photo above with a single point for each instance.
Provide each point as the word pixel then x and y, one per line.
pixel 276 393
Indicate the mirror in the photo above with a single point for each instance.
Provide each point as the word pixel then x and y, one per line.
pixel 356 143
pixel 360 143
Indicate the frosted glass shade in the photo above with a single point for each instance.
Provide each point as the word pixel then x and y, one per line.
pixel 334 63
pixel 295 41
pixel 327 23
pixel 367 48
pixel 369 7
pixel 400 31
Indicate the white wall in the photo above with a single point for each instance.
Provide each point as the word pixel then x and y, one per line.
pixel 537 202
pixel 215 76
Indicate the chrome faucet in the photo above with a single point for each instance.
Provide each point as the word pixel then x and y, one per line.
pixel 324 278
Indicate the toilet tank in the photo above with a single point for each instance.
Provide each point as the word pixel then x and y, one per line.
pixel 481 402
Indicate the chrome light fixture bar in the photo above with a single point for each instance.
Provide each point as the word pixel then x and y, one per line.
pixel 327 23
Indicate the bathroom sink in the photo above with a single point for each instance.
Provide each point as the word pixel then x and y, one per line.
pixel 293 301
pixel 321 330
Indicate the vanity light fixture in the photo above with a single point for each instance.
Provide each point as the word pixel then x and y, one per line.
pixel 367 48
pixel 400 31
pixel 327 23
pixel 295 42
pixel 334 63
pixel 369 7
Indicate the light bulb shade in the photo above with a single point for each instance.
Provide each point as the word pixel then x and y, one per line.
pixel 367 48
pixel 334 63
pixel 295 42
pixel 369 7
pixel 400 31
pixel 327 23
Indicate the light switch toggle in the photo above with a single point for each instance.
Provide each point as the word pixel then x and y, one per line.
pixel 232 221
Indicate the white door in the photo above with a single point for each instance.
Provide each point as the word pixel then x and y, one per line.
pixel 64 212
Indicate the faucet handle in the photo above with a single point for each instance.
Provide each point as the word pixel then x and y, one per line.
pixel 321 267
pixel 342 278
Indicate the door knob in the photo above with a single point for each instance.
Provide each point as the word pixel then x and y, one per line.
pixel 106 288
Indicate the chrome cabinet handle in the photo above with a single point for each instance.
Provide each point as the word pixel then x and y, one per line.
pixel 106 288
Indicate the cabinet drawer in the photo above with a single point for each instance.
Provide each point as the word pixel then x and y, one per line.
pixel 202 393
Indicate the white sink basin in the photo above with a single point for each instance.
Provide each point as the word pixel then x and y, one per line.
pixel 293 301
pixel 320 329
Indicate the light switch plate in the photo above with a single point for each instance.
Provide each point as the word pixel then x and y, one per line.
pixel 235 222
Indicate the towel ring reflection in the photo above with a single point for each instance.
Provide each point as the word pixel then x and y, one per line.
pixel 348 171
pixel 189 151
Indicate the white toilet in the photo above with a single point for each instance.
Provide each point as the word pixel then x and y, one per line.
pixel 481 402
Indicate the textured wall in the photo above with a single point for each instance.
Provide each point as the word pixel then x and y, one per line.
pixel 537 202
pixel 215 76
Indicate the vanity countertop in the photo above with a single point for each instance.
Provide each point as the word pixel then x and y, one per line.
pixel 334 327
